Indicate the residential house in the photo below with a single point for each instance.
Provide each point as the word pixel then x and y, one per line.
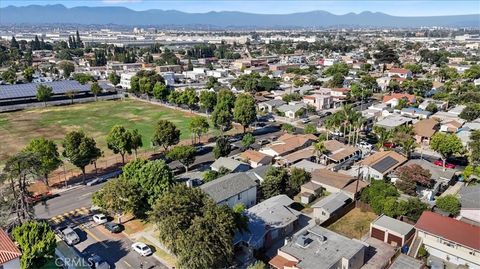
pixel 394 98
pixel 296 156
pixel 307 165
pixel 451 126
pixel 269 221
pixel 339 94
pixel 232 189
pixel 270 105
pixel 320 99
pixel 255 158
pixel 391 231
pixel 415 113
pixel 288 143
pixel 441 179
pixel 441 105
pixel 399 72
pixel 394 121
pixel 9 253
pixel 470 200
pixel 380 164
pixel 453 241
pixel 125 79
pixel 309 191
pixel 331 207
pixel 258 174
pixel 231 164
pixel 319 248
pixel 293 111
pixel 338 152
pixel 334 182
pixel 424 130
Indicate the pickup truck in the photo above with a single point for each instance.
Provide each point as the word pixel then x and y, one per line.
pixel 69 236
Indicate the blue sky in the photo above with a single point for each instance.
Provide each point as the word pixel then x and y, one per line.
pixel 398 8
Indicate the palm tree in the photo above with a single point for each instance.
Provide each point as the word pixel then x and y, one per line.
pixel 383 136
pixel 358 124
pixel 319 149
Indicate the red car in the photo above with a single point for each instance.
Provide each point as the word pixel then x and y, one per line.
pixel 389 145
pixel 447 165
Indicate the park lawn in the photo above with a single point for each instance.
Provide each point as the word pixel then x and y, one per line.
pixel 95 119
pixel 354 224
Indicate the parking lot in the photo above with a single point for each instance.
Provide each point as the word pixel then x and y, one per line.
pixel 115 248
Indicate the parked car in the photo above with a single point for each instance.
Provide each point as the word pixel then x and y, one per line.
pixel 69 236
pixel 365 145
pixel 112 227
pixel 99 218
pixel 40 197
pixel 447 165
pixel 338 134
pixel 305 120
pixel 96 181
pixel 142 249
pixel 389 145
pixel 96 262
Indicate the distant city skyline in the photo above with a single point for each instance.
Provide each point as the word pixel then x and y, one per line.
pixel 395 8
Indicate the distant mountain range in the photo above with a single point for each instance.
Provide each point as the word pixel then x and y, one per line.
pixel 58 14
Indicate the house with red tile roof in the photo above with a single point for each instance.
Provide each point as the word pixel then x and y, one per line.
pixel 394 98
pixel 454 241
pixel 9 253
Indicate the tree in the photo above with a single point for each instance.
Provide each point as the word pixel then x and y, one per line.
pixel 198 126
pixel 320 149
pixel 310 129
pixel 222 147
pixel 208 100
pixel 44 93
pixel 189 97
pixel 377 193
pixel 80 150
pixel 244 111
pixel 210 175
pixel 136 141
pixel 222 117
pixel 446 145
pixel 183 154
pixel 431 107
pixel 166 134
pixel 257 265
pixel 9 76
pixel 470 112
pixel 288 128
pixel 67 67
pixel 160 91
pixel 118 196
pixel 19 170
pixel 412 208
pixel 153 177
pixel 449 203
pixel 14 43
pixel 83 78
pixel 336 81
pixel 95 89
pixel 119 140
pixel 383 136
pixel 337 68
pixel 47 153
pixel 70 94
pixel 36 240
pixel 275 182
pixel 114 78
pixel 297 178
pixel 28 74
pixel 247 140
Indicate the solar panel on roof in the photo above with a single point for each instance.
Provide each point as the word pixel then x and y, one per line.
pixel 30 89
pixel 385 164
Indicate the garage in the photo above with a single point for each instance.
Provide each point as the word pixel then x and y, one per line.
pixel 378 234
pixel 391 231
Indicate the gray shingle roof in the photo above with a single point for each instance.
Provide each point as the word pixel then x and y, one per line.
pixel 227 186
pixel 228 163
pixel 393 225
pixel 274 211
pixel 470 197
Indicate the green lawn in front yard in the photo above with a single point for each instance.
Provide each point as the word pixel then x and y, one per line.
pixel 95 119
pixel 354 224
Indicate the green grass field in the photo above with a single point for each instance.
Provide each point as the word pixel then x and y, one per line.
pixel 95 119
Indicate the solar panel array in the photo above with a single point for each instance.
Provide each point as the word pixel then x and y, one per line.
pixel 29 90
pixel 385 164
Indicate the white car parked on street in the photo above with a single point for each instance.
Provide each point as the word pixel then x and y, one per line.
pixel 365 145
pixel 142 248
pixel 99 218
